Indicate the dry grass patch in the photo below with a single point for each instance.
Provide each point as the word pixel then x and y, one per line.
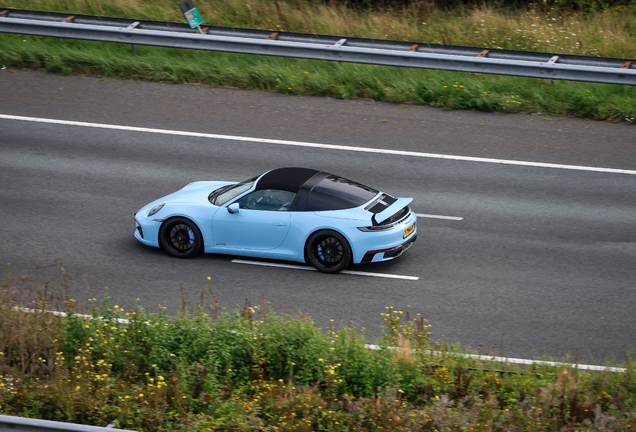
pixel 611 32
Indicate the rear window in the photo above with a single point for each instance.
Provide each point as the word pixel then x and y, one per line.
pixel 337 193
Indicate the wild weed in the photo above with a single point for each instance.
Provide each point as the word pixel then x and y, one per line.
pixel 253 368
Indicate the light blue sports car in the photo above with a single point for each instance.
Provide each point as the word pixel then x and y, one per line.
pixel 294 214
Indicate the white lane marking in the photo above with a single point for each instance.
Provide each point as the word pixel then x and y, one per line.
pixel 520 361
pixel 380 275
pixel 455 218
pixel 323 146
pixel 377 347
pixel 351 272
pixel 544 362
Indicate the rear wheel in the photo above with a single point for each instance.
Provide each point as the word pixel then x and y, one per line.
pixel 180 237
pixel 328 251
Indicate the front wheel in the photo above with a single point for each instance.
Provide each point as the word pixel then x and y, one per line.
pixel 328 251
pixel 180 237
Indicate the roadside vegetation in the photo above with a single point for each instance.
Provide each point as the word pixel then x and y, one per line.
pixel 569 27
pixel 207 368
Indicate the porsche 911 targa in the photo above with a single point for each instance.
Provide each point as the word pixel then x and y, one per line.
pixel 294 214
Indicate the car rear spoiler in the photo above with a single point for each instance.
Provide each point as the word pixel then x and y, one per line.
pixel 398 205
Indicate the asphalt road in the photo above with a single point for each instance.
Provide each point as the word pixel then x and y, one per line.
pixel 542 262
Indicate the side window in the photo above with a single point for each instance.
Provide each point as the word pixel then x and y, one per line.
pixel 267 199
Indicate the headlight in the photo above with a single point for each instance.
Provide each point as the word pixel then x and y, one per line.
pixel 156 209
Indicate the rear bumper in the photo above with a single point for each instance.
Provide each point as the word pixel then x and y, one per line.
pixel 391 253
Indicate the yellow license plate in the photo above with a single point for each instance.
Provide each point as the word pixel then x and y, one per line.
pixel 409 231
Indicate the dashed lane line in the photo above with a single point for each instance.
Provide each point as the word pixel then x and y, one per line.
pixel 455 218
pixel 349 272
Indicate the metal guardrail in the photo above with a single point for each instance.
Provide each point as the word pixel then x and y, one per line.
pixel 24 424
pixel 321 47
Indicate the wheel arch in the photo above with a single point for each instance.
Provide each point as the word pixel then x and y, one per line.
pixel 325 229
pixel 184 217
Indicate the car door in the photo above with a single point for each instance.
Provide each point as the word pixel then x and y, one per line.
pixel 259 222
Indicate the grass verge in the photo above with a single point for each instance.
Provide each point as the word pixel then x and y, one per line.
pixel 607 33
pixel 253 369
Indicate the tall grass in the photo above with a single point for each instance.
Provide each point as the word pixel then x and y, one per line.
pixel 607 33
pixel 206 368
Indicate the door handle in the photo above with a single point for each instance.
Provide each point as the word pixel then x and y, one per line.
pixel 280 224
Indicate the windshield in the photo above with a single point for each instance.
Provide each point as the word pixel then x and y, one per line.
pixel 234 191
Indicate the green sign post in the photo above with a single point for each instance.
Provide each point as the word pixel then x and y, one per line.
pixel 191 14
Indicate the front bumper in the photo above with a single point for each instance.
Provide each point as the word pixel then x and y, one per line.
pixel 140 232
pixel 147 231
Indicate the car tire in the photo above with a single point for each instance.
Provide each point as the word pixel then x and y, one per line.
pixel 328 251
pixel 180 237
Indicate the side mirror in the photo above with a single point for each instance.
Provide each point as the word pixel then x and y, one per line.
pixel 233 208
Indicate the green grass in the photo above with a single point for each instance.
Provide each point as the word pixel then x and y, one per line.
pixel 253 369
pixel 607 33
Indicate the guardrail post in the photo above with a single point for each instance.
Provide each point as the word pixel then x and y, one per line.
pixel 133 47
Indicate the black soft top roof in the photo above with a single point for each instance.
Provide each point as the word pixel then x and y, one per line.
pixel 288 179
pixel 317 190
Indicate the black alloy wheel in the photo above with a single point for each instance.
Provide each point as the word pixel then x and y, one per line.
pixel 180 237
pixel 328 251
